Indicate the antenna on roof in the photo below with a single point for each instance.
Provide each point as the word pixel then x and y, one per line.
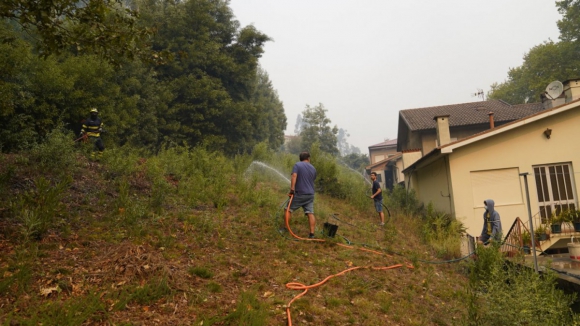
pixel 479 93
pixel 554 89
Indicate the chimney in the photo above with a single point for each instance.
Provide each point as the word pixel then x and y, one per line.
pixel 546 102
pixel 443 137
pixel 491 122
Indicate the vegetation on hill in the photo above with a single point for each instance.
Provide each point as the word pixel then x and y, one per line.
pixel 177 223
pixel 207 90
pixel 189 236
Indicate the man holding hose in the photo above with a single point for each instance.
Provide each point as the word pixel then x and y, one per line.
pixel 377 196
pixel 302 187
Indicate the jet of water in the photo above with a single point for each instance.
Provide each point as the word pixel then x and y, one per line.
pixel 255 164
pixel 364 176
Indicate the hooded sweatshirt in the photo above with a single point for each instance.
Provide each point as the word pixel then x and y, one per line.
pixel 491 223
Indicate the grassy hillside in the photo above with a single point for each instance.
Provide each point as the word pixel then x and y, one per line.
pixel 190 237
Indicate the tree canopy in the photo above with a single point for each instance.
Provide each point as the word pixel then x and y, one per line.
pixel 546 62
pixel 316 128
pixel 107 28
pixel 208 89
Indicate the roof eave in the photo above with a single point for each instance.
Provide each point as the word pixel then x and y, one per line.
pixel 509 126
pixel 429 157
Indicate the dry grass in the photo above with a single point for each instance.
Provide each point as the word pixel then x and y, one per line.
pixel 222 264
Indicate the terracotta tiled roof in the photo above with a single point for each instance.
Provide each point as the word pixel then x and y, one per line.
pixel 390 142
pixel 468 113
pixel 503 128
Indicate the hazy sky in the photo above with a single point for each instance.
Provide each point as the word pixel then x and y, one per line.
pixel 366 60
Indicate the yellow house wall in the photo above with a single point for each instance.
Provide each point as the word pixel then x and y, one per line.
pixel 400 175
pixel 377 155
pixel 428 141
pixel 432 182
pixel 520 149
pixel 410 157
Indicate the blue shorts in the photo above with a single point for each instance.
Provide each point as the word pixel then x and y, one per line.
pixel 379 205
pixel 304 201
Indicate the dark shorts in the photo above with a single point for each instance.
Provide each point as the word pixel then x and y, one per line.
pixel 304 201
pixel 379 205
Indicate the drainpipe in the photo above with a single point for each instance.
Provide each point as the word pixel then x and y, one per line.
pixel 447 169
pixel 491 122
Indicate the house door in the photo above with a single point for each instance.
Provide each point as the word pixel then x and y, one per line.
pixel 556 190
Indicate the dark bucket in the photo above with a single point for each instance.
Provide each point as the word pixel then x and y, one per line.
pixel 330 229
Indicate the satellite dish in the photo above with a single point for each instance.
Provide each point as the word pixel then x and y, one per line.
pixel 554 89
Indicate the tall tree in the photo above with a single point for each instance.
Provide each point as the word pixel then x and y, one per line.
pixel 269 120
pixel 103 27
pixel 546 62
pixel 543 64
pixel 213 76
pixel 569 25
pixel 317 129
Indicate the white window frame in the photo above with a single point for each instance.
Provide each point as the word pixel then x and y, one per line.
pixel 545 182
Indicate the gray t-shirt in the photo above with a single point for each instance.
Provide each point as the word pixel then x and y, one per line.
pixel 306 173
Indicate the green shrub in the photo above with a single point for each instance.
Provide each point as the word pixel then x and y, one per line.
pixel 18 133
pixel 504 293
pixel 122 161
pixel 56 152
pixel 327 171
pixel 36 210
pixel 442 232
pixel 403 200
pixel 261 152
pixel 356 187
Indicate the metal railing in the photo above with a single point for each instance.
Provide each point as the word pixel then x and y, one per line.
pixel 513 241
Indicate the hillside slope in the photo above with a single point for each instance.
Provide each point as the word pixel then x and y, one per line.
pixel 105 243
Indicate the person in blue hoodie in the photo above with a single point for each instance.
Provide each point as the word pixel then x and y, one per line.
pixel 491 224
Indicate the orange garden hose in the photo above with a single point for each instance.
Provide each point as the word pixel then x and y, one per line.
pixel 305 288
pixel 300 286
pixel 287 222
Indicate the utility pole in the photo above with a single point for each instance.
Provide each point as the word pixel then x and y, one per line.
pixel 525 175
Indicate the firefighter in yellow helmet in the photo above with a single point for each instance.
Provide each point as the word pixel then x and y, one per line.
pixel 92 127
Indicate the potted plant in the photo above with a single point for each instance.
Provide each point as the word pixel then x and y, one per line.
pixel 540 233
pixel 575 218
pixel 527 241
pixel 556 222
